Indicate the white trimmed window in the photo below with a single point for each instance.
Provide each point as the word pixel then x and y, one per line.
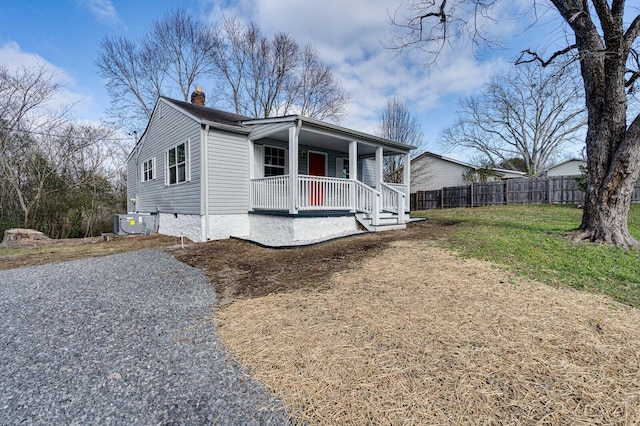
pixel 274 161
pixel 177 164
pixel 148 171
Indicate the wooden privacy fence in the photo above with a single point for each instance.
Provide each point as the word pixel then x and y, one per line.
pixel 551 190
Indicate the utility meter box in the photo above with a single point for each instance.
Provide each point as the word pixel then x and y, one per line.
pixel 127 224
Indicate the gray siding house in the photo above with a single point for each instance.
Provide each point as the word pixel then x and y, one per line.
pixel 208 174
pixel 431 171
pixel 570 167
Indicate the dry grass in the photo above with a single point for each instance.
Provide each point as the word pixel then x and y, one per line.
pixel 417 335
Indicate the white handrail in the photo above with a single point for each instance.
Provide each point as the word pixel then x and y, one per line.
pixel 365 197
pixel 403 188
pixel 393 200
pixel 270 193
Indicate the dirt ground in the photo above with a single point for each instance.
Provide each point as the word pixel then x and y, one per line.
pixel 389 328
pixel 242 270
pixel 238 269
pixel 40 252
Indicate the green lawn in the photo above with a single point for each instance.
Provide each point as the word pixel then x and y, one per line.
pixel 531 240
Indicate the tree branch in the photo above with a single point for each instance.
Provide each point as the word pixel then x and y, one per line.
pixel 536 58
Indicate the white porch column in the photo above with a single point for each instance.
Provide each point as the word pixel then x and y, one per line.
pixel 293 170
pixel 252 170
pixel 406 179
pixel 353 171
pixel 379 168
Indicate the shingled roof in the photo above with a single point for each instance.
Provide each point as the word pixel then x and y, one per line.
pixel 210 114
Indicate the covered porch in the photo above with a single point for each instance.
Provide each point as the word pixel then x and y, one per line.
pixel 302 166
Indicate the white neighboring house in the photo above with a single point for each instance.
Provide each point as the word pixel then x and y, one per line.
pixel 209 174
pixel 570 167
pixel 431 171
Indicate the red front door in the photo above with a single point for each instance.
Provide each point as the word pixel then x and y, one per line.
pixel 317 167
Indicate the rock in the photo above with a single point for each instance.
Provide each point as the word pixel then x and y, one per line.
pixel 18 237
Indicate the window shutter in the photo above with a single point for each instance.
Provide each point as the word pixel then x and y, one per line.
pixel 166 168
pixel 187 158
pixel 258 158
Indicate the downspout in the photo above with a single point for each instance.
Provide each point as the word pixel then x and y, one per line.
pixel 137 173
pixel 205 174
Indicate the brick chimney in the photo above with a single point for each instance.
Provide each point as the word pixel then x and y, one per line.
pixel 197 97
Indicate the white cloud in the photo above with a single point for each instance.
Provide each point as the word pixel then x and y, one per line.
pixel 102 9
pixel 13 57
pixel 349 36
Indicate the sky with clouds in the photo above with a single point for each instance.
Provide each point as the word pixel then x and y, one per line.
pixel 348 35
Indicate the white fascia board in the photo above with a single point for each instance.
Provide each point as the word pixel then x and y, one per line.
pixel 225 127
pixel 334 130
pixel 355 134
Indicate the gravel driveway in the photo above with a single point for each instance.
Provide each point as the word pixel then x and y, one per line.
pixel 122 339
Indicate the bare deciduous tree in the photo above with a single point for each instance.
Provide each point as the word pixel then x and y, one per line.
pixel 252 74
pixel 47 161
pixel 315 92
pixel 170 58
pixel 603 38
pixel 264 77
pixel 396 123
pixel 133 77
pixel 530 113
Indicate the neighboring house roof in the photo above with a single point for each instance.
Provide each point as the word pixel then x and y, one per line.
pixel 502 172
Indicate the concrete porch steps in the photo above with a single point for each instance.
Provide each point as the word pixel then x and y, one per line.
pixel 387 221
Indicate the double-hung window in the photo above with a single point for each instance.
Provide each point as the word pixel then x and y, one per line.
pixel 274 161
pixel 149 170
pixel 177 164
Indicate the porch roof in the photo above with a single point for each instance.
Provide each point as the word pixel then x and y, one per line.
pixel 323 135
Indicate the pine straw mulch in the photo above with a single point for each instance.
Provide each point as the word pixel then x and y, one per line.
pixel 418 335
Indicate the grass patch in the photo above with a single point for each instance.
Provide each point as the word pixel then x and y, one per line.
pixel 531 241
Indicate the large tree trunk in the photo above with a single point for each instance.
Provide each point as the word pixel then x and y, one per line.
pixel 613 148
pixel 607 204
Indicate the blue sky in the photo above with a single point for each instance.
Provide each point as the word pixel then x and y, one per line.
pixel 65 35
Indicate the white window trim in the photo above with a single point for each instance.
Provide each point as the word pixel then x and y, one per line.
pixel 187 162
pixel 340 166
pixel 264 155
pixel 153 167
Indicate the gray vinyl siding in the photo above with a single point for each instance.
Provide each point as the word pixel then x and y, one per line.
pixel 569 168
pixel 430 173
pixel 167 129
pixel 133 179
pixel 368 175
pixel 303 163
pixel 228 164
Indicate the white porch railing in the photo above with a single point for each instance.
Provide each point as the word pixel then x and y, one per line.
pixel 365 198
pixel 393 200
pixel 270 193
pixel 326 193
pixel 323 193
pixel 405 190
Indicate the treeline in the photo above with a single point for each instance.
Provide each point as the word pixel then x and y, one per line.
pixel 57 176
